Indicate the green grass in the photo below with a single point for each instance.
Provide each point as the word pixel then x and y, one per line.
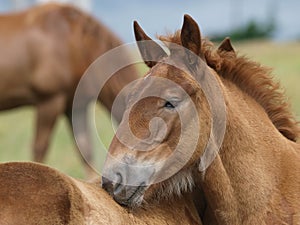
pixel 17 133
pixel 17 126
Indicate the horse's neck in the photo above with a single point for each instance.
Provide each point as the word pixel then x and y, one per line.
pixel 246 173
pixel 116 84
pixel 121 77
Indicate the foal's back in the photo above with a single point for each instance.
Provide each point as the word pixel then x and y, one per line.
pixel 36 194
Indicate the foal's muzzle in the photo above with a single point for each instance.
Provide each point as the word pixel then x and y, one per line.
pixel 127 184
pixel 125 195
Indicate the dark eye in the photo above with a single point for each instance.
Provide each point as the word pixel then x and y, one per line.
pixel 169 105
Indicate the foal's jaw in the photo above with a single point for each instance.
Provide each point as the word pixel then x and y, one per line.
pixel 135 196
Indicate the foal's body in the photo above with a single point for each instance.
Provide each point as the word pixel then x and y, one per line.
pixel 255 176
pixel 44 53
pixel 36 194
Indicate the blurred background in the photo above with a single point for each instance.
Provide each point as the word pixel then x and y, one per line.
pixel 267 31
pixel 279 18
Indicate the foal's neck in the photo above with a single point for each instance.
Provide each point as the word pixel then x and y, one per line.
pixel 243 177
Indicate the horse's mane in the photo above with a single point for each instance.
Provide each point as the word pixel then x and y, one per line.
pixel 253 79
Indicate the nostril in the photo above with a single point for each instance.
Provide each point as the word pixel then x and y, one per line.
pixel 119 178
pixel 113 184
pixel 118 184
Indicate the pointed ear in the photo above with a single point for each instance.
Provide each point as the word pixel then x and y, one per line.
pixel 150 51
pixel 226 45
pixel 191 37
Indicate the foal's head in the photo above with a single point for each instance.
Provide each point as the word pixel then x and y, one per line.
pixel 167 124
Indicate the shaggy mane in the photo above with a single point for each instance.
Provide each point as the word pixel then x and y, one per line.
pixel 252 78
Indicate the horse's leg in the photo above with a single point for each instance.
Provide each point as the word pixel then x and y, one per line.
pixel 81 133
pixel 47 113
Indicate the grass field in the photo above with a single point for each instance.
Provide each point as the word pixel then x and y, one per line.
pixel 17 126
pixel 284 58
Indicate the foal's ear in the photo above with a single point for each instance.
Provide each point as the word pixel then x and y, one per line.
pixel 191 37
pixel 226 45
pixel 150 51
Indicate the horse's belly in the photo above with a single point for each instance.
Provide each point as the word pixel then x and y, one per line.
pixel 17 97
pixel 14 86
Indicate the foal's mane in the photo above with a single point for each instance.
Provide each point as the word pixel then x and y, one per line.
pixel 253 79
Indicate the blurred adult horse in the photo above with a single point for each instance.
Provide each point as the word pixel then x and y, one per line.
pixel 44 53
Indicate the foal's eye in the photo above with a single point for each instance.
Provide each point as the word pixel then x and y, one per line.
pixel 169 105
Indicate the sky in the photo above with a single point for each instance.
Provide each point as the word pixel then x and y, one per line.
pixel 214 16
